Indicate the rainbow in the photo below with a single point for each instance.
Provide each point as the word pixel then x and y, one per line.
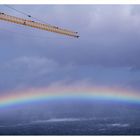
pixel 56 93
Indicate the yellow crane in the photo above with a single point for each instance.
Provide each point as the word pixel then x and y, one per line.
pixel 38 25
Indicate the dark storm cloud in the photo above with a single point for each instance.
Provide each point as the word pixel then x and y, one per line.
pixel 107 53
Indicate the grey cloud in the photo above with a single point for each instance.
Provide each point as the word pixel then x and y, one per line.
pixel 107 53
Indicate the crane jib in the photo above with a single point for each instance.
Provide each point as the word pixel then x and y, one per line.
pixel 38 25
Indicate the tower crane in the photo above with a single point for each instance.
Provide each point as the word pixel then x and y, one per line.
pixel 38 25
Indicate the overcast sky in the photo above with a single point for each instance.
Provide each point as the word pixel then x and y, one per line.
pixel 106 54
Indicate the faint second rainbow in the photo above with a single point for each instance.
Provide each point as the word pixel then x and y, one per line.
pixel 91 93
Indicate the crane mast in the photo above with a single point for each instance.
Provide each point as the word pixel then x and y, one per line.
pixel 38 25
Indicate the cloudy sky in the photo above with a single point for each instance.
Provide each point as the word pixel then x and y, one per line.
pixel 106 54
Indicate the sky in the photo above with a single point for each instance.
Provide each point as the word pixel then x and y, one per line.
pixel 106 54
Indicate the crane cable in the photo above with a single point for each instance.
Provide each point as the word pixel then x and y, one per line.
pixel 28 15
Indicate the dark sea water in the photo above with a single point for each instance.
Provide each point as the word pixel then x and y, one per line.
pixel 73 127
pixel 72 118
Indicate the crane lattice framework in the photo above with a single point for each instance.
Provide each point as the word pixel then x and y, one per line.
pixel 38 25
